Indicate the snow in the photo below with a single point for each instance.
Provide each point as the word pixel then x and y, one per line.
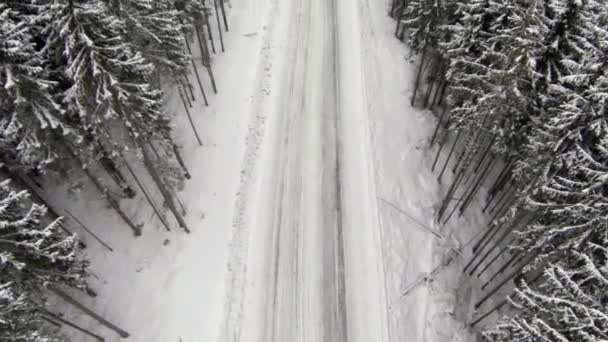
pixel 216 283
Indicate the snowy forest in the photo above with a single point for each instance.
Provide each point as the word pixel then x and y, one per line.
pixel 82 94
pixel 520 89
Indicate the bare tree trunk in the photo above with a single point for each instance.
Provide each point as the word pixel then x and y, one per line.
pixel 477 186
pixel 224 14
pixel 441 144
pixel 489 251
pixel 484 154
pixel 439 99
pixel 89 312
pixel 62 320
pixel 219 26
pixel 198 138
pixel 206 57
pixel 198 76
pixel 89 231
pixel 209 31
pixel 448 197
pixel 161 186
pixel 501 252
pixel 417 84
pixel 438 125
pixel 482 317
pixel 180 160
pixel 190 86
pixel 447 160
pixel 114 204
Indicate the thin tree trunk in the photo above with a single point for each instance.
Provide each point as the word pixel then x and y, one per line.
pixel 224 15
pixel 114 204
pixel 444 87
pixel 448 197
pixel 437 91
pixel 482 317
pixel 161 186
pixel 198 76
pixel 504 202
pixel 210 32
pixel 505 170
pixel 153 204
pixel 429 91
pixel 55 317
pixel 190 86
pixel 206 57
pixel 484 154
pixel 501 270
pixel 441 144
pixel 447 160
pixel 198 138
pixel 489 251
pixel 438 125
pixel 477 186
pixel 89 231
pixel 219 26
pixel 499 286
pixel 417 84
pixel 180 160
pixel 501 252
pixel 89 312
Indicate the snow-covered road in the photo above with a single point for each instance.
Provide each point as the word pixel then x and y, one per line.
pixel 315 260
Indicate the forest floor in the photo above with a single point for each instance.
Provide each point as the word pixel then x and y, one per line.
pixel 311 202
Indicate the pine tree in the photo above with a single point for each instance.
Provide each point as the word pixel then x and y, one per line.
pixel 20 319
pixel 34 254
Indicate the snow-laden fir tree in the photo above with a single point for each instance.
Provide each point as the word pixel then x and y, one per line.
pixel 20 319
pixel 35 254
pixel 28 109
pixel 570 304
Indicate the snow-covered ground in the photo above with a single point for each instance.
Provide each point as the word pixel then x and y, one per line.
pixel 312 154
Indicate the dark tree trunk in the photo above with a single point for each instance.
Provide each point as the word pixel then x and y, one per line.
pixel 198 76
pixel 54 317
pixel 482 317
pixel 501 270
pixel 206 57
pixel 219 26
pixel 161 185
pixel 224 14
pixel 417 84
pixel 190 86
pixel 210 32
pixel 441 144
pixel 89 312
pixel 89 231
pixel 484 155
pixel 114 204
pixel 501 252
pixel 180 160
pixel 477 186
pixel 444 87
pixel 198 138
pixel 448 197
pixel 489 251
pixel 447 160
pixel 445 110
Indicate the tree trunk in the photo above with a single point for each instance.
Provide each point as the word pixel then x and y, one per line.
pixel 489 251
pixel 190 86
pixel 198 76
pixel 501 252
pixel 219 26
pixel 441 144
pixel 501 270
pixel 198 138
pixel 482 317
pixel 448 197
pixel 477 186
pixel 89 312
pixel 62 320
pixel 161 186
pixel 484 154
pixel 209 31
pixel 114 204
pixel 89 231
pixel 444 87
pixel 438 125
pixel 224 15
pixel 206 57
pixel 417 84
pixel 180 160
pixel 447 160
pixel 500 285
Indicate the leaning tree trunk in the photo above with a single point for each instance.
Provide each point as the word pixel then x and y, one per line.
pixel 122 333
pixel 114 204
pixel 161 185
pixel 206 57
pixel 219 26
pixel 417 84
pixel 54 317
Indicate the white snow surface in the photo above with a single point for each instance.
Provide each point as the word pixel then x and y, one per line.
pixel 262 172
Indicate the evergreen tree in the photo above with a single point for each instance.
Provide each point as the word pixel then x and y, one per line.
pixel 20 321
pixel 33 254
